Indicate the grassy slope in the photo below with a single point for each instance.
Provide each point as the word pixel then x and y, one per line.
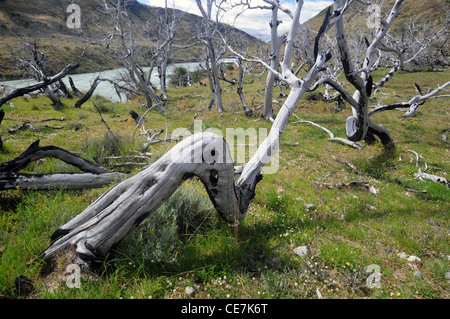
pixel 348 231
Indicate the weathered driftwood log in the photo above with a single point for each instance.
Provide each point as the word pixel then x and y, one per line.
pixel 37 86
pixel 75 181
pixel 35 152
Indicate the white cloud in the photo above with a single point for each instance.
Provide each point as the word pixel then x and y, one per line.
pixel 254 21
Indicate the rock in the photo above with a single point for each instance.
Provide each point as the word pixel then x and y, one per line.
pixel 414 259
pixel 418 274
pixel 447 275
pixel 301 251
pixel 310 207
pixel 190 291
pixel 402 255
pixel 373 190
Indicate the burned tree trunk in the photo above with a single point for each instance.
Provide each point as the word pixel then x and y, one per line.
pixel 75 91
pixel 88 94
pixel 35 152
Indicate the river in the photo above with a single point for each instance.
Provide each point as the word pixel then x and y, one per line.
pixel 83 81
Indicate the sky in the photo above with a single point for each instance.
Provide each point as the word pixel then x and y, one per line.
pixel 255 21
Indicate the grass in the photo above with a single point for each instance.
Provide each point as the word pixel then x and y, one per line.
pixel 185 243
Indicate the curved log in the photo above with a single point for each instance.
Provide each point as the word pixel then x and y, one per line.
pixel 112 216
pixel 35 152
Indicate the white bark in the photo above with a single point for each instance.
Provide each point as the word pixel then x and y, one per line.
pixel 57 181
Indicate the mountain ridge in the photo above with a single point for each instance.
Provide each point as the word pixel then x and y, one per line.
pixel 45 21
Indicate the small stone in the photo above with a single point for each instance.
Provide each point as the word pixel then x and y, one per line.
pixel 447 275
pixel 301 251
pixel 414 259
pixel 418 274
pixel 373 190
pixel 402 255
pixel 310 207
pixel 190 291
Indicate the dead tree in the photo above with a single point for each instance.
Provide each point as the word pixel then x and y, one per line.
pixel 75 91
pixel 276 42
pixel 119 42
pixel 94 176
pixel 34 63
pixel 111 217
pixel 164 35
pixel 209 28
pixel 88 94
pixel 40 85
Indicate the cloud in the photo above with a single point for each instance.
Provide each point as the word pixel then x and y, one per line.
pixel 252 21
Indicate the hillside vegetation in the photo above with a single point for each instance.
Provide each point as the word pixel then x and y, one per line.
pixel 44 21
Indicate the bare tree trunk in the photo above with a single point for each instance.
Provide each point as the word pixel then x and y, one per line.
pixel 75 91
pixel 88 94
pixel 274 64
pixel 240 86
pixel 210 27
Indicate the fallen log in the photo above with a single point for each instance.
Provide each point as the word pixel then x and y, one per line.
pixel 35 152
pixel 340 185
pixel 24 126
pixel 56 181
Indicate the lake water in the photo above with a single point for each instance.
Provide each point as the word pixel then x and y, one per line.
pixel 83 81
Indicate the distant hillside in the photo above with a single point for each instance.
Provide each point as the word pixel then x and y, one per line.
pixel 420 10
pixel 45 22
